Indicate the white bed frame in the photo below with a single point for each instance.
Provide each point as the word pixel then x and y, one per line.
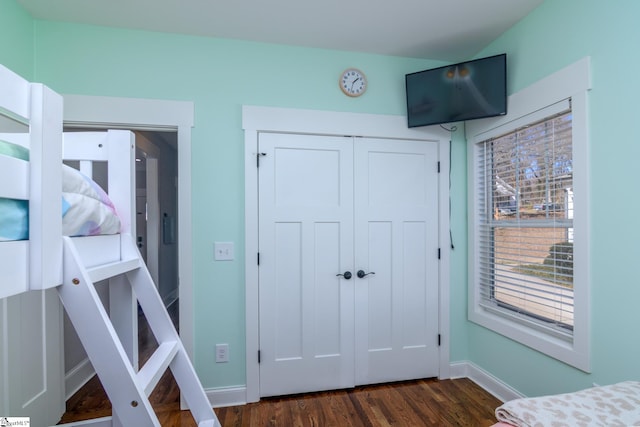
pixel 37 263
pixel 117 148
pixel 31 115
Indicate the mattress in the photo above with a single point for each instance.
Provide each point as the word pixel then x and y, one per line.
pixel 86 208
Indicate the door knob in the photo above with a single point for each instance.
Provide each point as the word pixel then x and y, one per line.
pixel 347 275
pixel 362 274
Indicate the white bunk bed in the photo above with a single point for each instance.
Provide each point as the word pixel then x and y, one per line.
pixel 31 122
pixel 31 117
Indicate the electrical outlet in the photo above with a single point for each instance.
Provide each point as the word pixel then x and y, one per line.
pixel 223 251
pixel 222 353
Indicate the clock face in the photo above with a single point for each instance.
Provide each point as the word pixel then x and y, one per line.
pixel 353 82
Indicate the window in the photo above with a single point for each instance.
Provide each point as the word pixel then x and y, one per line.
pixel 529 220
pixel 526 223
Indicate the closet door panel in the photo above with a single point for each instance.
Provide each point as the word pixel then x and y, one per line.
pixel 288 294
pixel 396 230
pixel 306 239
pixel 415 296
pixel 326 300
pixel 378 298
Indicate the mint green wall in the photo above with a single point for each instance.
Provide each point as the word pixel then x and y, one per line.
pixel 459 344
pixel 16 43
pixel 219 76
pixel 553 36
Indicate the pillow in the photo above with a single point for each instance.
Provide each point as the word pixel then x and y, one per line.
pixel 74 181
pixel 86 207
pixel 86 216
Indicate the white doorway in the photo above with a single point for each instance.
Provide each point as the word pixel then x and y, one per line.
pixel 366 128
pixel 348 235
pixel 156 205
pixel 165 117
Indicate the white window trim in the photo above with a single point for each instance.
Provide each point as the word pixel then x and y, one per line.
pixel 572 82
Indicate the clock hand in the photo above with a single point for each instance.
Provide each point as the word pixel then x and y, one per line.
pixel 354 82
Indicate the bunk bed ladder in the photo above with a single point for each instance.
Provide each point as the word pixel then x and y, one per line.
pixel 127 388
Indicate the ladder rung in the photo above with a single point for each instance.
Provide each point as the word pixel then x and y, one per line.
pixel 157 364
pixel 112 269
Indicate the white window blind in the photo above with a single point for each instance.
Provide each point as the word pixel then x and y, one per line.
pixel 525 233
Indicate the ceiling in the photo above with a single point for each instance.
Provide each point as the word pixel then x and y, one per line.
pixel 447 30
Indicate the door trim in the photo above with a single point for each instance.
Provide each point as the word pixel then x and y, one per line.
pixel 256 119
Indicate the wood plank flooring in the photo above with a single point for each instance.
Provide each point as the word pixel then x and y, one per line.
pixel 427 402
pixel 413 403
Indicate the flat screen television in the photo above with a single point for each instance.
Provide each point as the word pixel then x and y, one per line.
pixel 464 91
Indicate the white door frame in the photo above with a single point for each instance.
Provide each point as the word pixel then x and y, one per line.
pixel 271 119
pixel 151 114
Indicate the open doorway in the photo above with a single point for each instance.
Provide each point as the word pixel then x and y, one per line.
pixel 156 235
pixel 101 112
pixel 157 208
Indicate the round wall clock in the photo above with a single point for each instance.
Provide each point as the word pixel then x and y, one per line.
pixel 353 82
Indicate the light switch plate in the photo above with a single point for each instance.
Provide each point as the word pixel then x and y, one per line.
pixel 223 251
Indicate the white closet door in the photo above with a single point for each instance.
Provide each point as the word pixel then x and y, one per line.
pixel 32 349
pixel 306 239
pixel 319 331
pixel 396 237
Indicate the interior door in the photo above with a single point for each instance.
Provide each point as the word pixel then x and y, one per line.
pixel 306 239
pixel 332 205
pixel 396 245
pixel 31 326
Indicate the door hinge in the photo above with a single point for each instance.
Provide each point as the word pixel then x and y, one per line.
pixel 258 155
pixel 258 258
pixel 438 167
pixel 438 253
pixel 439 340
pixel 258 356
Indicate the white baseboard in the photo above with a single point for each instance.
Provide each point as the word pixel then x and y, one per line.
pixel 487 381
pixel 78 376
pixel 227 396
pixel 237 395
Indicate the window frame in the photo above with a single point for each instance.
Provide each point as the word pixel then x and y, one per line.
pixel 529 105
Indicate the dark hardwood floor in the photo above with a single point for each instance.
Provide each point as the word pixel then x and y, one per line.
pixel 427 402
pixel 412 403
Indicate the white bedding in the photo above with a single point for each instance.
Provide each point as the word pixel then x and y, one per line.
pixel 612 405
pixel 86 208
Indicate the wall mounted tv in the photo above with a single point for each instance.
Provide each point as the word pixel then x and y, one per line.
pixel 465 91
